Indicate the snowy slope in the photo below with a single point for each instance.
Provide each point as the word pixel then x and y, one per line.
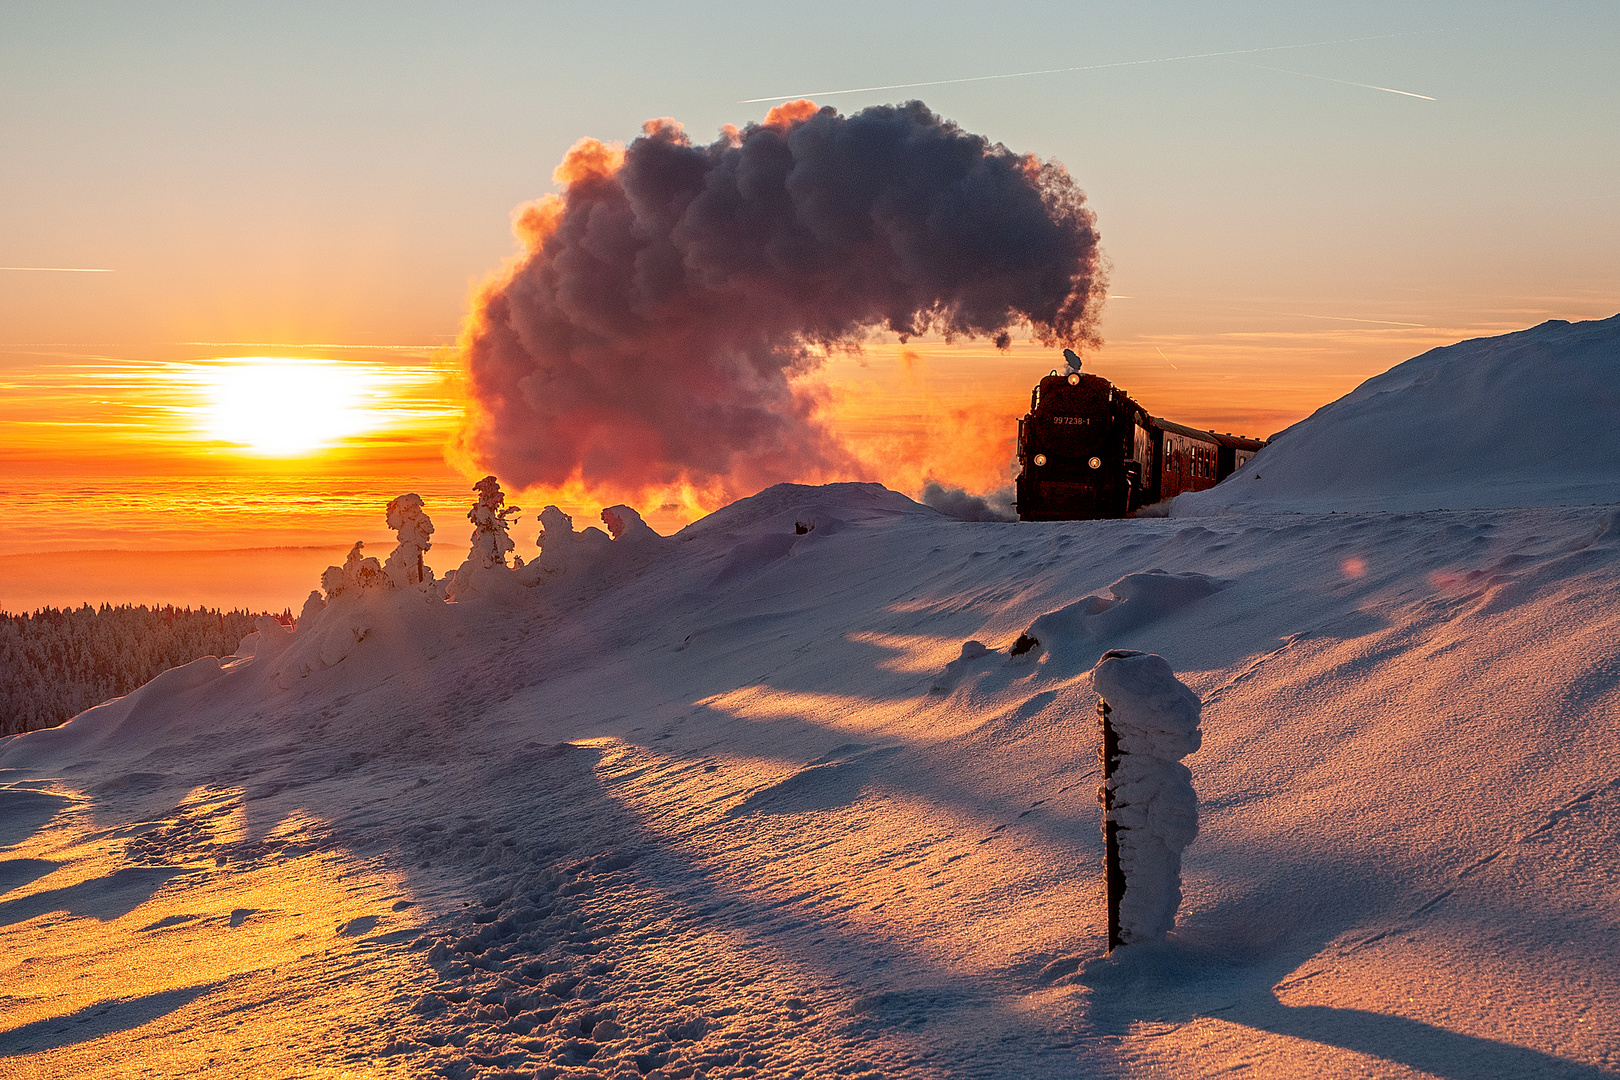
pixel 746 802
pixel 1525 419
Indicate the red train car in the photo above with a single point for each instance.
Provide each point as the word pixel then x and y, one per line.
pixel 1086 449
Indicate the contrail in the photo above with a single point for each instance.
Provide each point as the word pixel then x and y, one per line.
pixel 1328 318
pixel 1347 318
pixel 1083 67
pixel 1341 82
pixel 312 345
pixel 60 269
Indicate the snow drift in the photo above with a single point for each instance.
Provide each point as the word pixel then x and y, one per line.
pixel 1134 601
pixel 1524 419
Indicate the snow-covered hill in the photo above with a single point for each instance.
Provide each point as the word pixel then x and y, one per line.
pixel 739 803
pixel 1525 419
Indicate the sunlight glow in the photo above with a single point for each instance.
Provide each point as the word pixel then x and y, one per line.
pixel 276 406
pixel 215 939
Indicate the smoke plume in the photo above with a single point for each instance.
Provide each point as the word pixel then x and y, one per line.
pixel 652 334
pixel 964 506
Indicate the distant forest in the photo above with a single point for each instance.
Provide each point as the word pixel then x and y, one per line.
pixel 54 664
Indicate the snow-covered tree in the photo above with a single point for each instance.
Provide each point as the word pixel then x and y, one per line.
pixel 556 528
pixel 333 582
pixel 414 528
pixel 314 603
pixel 358 572
pixel 492 522
pixel 587 558
pixel 56 663
pixel 624 524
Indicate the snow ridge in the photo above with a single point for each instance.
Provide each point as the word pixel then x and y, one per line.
pixel 1508 421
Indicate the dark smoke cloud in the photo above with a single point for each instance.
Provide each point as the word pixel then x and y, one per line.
pixel 958 503
pixel 649 334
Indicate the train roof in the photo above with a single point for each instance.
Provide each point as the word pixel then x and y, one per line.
pixel 1237 442
pixel 1054 386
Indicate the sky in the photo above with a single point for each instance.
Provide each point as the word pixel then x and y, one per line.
pixel 1291 199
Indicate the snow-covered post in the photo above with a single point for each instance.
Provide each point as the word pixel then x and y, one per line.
pixel 1149 722
pixel 1113 876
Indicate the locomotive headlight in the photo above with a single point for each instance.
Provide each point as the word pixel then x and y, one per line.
pixel 1074 378
pixel 1040 459
pixel 1095 463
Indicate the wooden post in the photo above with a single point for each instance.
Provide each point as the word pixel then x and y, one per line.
pixel 1109 753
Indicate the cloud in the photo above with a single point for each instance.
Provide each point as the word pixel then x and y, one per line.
pixel 655 331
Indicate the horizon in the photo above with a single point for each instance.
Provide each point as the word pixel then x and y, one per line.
pixel 1288 203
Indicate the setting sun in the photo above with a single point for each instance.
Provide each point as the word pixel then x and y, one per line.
pixel 278 406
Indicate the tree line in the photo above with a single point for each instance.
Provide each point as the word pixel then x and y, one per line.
pixel 57 662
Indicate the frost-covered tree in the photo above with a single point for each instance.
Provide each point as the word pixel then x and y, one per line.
pixel 365 569
pixel 56 663
pixel 492 522
pixel 556 529
pixel 334 583
pixel 405 565
pixel 588 558
pixel 358 572
pixel 314 603
pixel 624 524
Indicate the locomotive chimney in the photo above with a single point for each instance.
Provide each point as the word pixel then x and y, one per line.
pixel 1073 358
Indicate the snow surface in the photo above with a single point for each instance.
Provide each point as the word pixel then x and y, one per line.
pixel 750 801
pixel 1523 419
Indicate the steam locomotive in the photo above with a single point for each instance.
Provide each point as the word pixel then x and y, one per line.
pixel 1087 450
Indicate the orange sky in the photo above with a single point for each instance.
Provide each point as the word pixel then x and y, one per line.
pixel 102 450
pixel 135 447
